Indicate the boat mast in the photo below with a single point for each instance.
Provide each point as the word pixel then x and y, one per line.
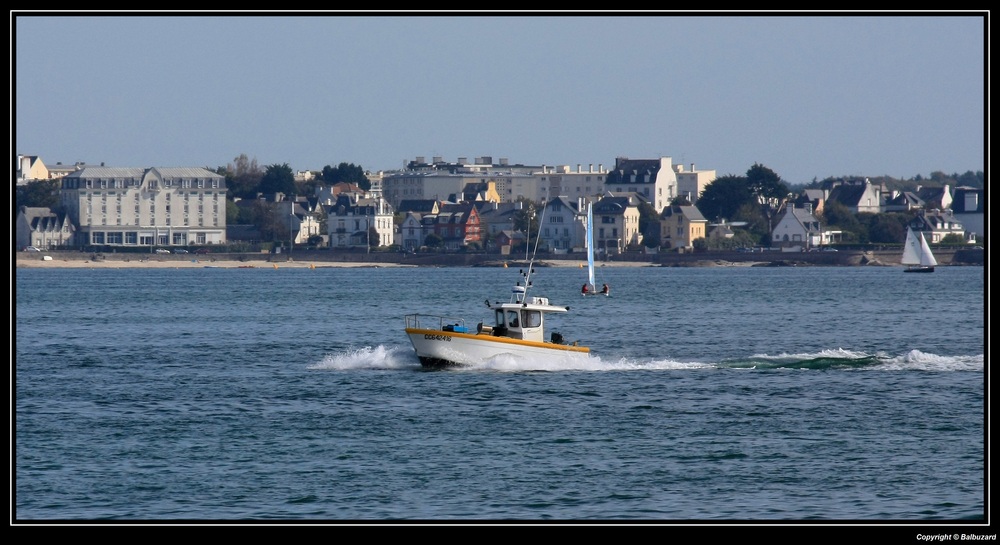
pixel 531 262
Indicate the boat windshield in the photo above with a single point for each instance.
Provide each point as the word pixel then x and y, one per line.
pixel 512 319
pixel 532 318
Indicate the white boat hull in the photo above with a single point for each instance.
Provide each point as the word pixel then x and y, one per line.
pixel 437 348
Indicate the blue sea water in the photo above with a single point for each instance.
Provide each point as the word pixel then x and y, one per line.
pixel 713 395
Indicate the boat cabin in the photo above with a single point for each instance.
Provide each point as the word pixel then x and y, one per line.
pixel 519 323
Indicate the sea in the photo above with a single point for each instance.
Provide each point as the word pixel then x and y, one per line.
pixel 714 397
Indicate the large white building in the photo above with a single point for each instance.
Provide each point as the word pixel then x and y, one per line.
pixel 135 207
pixel 657 181
pixel 691 183
pixel 441 180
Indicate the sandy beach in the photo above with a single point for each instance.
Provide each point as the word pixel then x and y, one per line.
pixel 192 264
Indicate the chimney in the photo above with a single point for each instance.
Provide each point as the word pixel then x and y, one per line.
pixel 692 167
pixel 579 168
pixel 591 168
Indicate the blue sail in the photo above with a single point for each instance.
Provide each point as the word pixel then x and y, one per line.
pixel 590 244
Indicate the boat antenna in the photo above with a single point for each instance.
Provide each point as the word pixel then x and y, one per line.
pixel 531 262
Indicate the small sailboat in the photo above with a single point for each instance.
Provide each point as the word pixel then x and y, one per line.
pixel 917 255
pixel 590 288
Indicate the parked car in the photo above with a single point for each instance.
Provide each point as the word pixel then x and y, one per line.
pixel 31 249
pixel 162 251
pixel 180 251
pixel 201 251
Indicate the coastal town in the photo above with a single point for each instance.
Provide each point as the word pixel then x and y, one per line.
pixel 645 211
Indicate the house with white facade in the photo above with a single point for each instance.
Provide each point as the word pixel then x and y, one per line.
pixel 42 228
pixel 563 225
pixel 653 179
pixel 798 229
pixel 351 222
pixel 857 195
pixel 411 232
pixel 616 223
pixel 937 224
pixel 969 208
pixel 691 183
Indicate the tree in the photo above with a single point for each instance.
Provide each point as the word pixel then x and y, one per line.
pixel 232 213
pixel 347 173
pixel 242 177
pixel 838 215
pixel 38 194
pixel 266 219
pixel 758 225
pixel 723 197
pixel 766 185
pixel 887 228
pixel 278 179
pixel 433 240
pixel 649 225
pixel 525 219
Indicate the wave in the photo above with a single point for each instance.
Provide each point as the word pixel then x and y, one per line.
pixel 383 357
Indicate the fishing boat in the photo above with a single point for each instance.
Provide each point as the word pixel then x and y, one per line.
pixel 517 329
pixel 917 255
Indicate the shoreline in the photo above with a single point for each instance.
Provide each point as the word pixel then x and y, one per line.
pixel 36 262
pixel 62 259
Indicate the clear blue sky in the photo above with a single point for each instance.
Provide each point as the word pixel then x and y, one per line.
pixel 808 96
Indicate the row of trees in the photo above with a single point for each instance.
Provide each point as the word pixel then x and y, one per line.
pixel 245 178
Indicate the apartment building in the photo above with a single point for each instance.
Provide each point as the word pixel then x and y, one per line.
pixel 441 180
pixel 135 207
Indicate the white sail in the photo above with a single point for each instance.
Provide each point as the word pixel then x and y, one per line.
pixel 926 256
pixel 590 245
pixel 911 248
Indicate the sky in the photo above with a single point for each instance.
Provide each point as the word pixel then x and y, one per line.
pixel 807 95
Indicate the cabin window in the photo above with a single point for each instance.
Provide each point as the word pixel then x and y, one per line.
pixel 532 318
pixel 512 319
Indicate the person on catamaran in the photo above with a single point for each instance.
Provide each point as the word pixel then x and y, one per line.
pixel 606 290
pixel 585 289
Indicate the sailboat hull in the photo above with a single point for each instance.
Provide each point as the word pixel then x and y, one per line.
pixel 919 269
